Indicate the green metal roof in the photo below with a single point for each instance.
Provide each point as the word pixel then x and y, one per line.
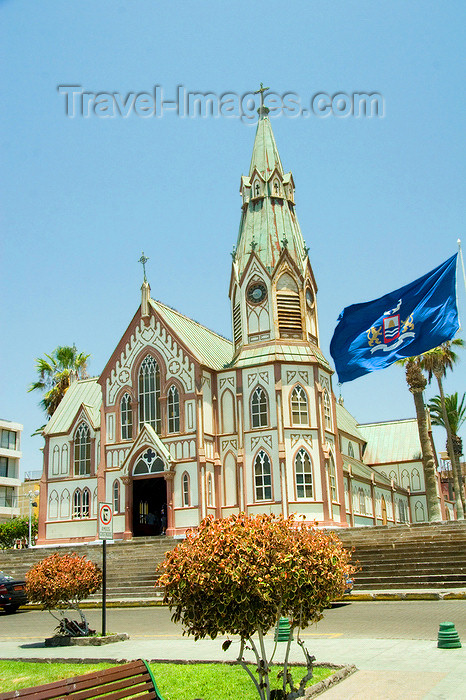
pixel 264 354
pixel 208 348
pixel 391 442
pixel 347 423
pixel 82 391
pixel 363 470
pixel 265 223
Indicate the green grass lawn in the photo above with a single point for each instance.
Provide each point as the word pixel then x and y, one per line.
pixel 175 681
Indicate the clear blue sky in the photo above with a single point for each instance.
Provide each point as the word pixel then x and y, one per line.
pixel 381 201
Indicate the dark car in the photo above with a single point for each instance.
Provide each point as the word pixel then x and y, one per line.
pixel 12 593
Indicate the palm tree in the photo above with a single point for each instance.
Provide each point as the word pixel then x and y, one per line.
pixel 436 362
pixel 417 383
pixel 56 372
pixel 456 416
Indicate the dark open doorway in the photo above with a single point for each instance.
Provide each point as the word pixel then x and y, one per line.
pixel 149 495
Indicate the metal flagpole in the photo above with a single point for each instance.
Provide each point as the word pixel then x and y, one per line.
pixel 462 261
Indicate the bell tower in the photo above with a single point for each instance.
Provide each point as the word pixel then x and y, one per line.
pixel 272 289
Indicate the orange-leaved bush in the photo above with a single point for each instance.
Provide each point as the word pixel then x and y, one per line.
pixel 238 575
pixel 62 580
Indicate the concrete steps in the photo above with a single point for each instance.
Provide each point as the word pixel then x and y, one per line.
pixel 399 557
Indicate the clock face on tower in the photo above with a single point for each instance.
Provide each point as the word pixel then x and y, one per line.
pixel 256 293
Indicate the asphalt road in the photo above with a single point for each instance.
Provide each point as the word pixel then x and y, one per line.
pixel 358 620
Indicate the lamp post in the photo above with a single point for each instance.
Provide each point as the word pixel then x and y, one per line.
pixel 31 494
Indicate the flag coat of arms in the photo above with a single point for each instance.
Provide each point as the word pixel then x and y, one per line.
pixel 404 323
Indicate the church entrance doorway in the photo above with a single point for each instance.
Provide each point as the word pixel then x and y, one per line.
pixel 149 497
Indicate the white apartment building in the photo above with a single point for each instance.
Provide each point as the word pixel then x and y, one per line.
pixel 10 454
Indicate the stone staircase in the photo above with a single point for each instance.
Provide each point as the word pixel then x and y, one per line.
pixel 409 556
pixel 131 565
pixel 397 557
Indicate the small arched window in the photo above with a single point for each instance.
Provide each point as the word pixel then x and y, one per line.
pixel 53 505
pixel 303 475
pixel 327 411
pixel 82 451
pixel 416 480
pixel 299 410
pixel 362 501
pixel 126 417
pixel 419 512
pixel 405 479
pixel 173 405
pixel 77 500
pixel 263 477
pixel 210 491
pixel 86 504
pixel 259 408
pixel 116 496
pixel 149 394
pixel 186 499
pixel 56 461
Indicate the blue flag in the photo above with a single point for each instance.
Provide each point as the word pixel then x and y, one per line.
pixel 404 323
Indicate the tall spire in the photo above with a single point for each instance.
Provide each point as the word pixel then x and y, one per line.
pixel 268 222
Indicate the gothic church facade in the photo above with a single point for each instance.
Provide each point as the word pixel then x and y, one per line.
pixel 184 421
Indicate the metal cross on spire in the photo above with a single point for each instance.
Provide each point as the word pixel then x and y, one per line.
pixel 143 261
pixel 262 109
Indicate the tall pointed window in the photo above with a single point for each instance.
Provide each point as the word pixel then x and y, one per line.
pixel 126 418
pixel 303 472
pixel 289 308
pixel 149 394
pixel 173 405
pixel 263 477
pixel 82 451
pixel 332 479
pixel 299 412
pixel 116 496
pixel 259 408
pixel 186 500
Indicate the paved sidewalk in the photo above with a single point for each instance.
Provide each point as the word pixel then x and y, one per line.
pixel 389 669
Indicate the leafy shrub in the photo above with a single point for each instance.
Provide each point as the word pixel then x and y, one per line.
pixel 60 581
pixel 16 529
pixel 241 574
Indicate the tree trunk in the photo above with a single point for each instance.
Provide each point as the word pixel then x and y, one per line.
pixel 455 464
pixel 417 383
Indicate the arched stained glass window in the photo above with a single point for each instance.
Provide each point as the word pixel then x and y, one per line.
pixel 299 410
pixel 149 394
pixel 82 451
pixel 126 418
pixel 303 472
pixel 263 477
pixel 259 408
pixel 173 406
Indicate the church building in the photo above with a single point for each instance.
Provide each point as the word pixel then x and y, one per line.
pixel 183 423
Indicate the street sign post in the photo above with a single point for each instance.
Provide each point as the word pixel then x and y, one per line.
pixel 105 532
pixel 105 521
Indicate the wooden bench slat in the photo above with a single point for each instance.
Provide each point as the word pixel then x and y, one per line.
pixel 130 680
